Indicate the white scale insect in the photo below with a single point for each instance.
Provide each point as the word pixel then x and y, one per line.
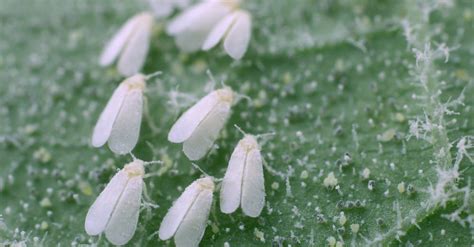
pixel 119 123
pixel 187 219
pixel 203 25
pixel 200 125
pixel 243 183
pixel 117 208
pixel 131 43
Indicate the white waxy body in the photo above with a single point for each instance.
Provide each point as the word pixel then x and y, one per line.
pixel 130 45
pixel 203 25
pixel 116 209
pixel 200 125
pixel 186 220
pixel 119 123
pixel 243 183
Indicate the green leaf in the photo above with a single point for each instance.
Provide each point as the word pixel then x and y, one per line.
pixel 337 81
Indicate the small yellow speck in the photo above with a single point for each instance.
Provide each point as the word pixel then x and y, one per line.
pixel 330 180
pixel 29 129
pixel 85 188
pixel 110 163
pixel 42 155
pixel 258 103
pixel 399 117
pixel 111 72
pixel 199 66
pixel 366 173
pixel 342 219
pixel 44 225
pixel 275 185
pixel 401 187
pixel 331 241
pixel 366 21
pixel 177 68
pixel 259 234
pixel 261 99
pixel 387 135
pixel 167 164
pixel 355 228
pixel 215 228
pixel 304 174
pixel 339 66
pixel 468 14
pixel 45 203
pixel 462 74
pixel 183 57
pixel 287 78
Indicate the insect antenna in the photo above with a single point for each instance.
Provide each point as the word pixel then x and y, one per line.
pixel 211 77
pixel 205 173
pixel 154 74
pixel 240 130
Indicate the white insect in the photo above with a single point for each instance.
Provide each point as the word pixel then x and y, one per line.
pixel 203 25
pixel 119 123
pixel 186 219
pixel 117 208
pixel 235 29
pixel 243 183
pixel 200 125
pixel 131 43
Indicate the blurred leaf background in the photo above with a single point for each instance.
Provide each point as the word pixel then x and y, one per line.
pixel 337 81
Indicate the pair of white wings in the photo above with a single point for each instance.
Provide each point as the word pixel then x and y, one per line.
pixel 131 42
pixel 200 125
pixel 243 183
pixel 186 220
pixel 119 123
pixel 204 25
pixel 116 210
pixel 236 27
pixel 192 27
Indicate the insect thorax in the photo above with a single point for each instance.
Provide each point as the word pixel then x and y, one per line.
pixel 136 82
pixel 134 168
pixel 249 142
pixel 232 4
pixel 206 183
pixel 226 95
